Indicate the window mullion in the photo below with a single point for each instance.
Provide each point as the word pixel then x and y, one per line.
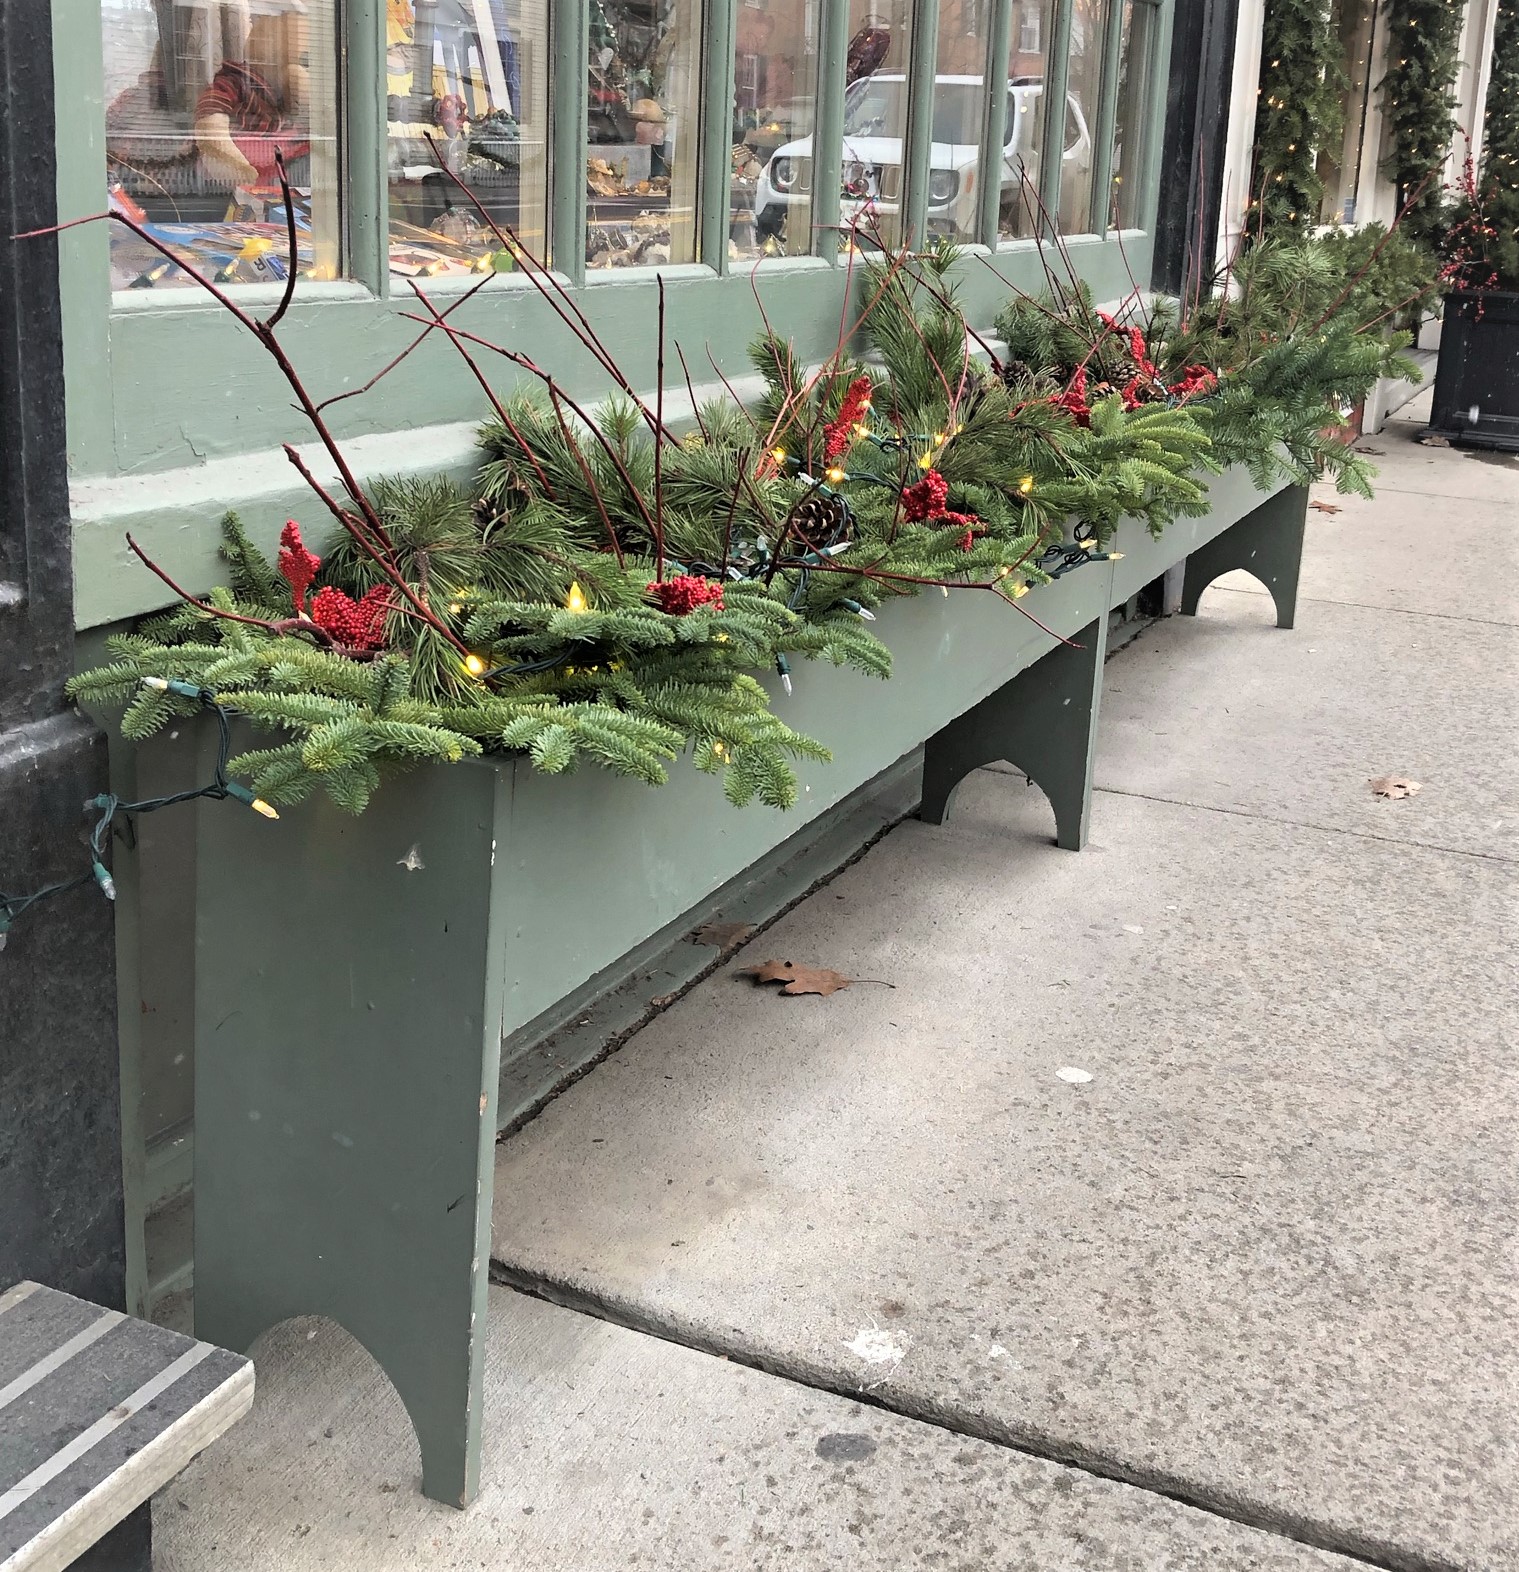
pixel 922 66
pixel 84 254
pixel 1107 119
pixel 1057 78
pixel 999 46
pixel 568 29
pixel 1158 41
pixel 361 90
pixel 828 127
pixel 715 177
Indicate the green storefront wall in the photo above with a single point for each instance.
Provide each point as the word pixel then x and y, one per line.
pixel 174 417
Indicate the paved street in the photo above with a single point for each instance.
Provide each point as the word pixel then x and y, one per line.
pixel 866 1281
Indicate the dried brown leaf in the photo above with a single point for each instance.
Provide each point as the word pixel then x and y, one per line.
pixel 722 935
pixel 798 979
pixel 1433 439
pixel 1394 786
pixel 1326 507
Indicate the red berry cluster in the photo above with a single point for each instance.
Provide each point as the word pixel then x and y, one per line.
pixel 297 565
pixel 839 432
pixel 1195 379
pixel 1074 399
pixel 926 499
pixel 355 624
pixel 924 503
pixel 685 592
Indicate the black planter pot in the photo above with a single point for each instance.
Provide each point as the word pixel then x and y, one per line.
pixel 1476 401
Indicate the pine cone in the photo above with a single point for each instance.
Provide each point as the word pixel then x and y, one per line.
pixel 820 520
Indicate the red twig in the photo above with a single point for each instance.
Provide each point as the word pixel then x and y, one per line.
pixel 589 478
pixel 561 302
pixel 389 366
pixel 659 447
pixel 382 559
pixel 269 624
pixel 292 253
pixel 490 393
pixel 528 364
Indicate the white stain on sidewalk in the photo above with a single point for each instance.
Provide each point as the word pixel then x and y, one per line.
pixel 876 1347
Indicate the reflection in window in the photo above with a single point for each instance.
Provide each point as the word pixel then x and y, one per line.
pixel 1129 121
pixel 1023 132
pixel 466 85
pixel 954 161
pixel 875 115
pixel 774 104
pixel 200 96
pixel 644 127
pixel 1339 168
pixel 1084 93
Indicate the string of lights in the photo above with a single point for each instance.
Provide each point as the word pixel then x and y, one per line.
pixel 108 807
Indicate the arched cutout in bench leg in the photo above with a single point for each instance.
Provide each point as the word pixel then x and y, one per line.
pixel 1267 544
pixel 1044 721
pixel 349 1000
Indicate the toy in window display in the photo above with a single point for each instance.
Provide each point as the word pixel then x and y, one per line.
pixel 867 49
pixel 255 108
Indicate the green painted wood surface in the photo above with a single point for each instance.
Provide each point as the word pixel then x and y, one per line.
pixel 348 1032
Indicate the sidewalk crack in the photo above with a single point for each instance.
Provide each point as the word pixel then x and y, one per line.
pixel 1304 824
pixel 1297 1528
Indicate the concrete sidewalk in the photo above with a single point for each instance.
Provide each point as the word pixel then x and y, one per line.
pixel 1244 1298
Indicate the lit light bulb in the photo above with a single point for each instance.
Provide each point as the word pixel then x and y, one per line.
pixel 1026 485
pixel 939 439
pixel 1019 590
pixel 240 793
pixel 454 608
pixel 1115 556
pixel 720 751
pixel 474 665
pixel 778 454
pixel 926 462
pixel 834 476
pixel 575 600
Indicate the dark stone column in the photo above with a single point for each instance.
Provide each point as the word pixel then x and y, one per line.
pixel 61 1203
pixel 1197 130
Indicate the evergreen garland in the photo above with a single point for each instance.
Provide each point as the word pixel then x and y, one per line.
pixel 1300 111
pixel 1500 157
pixel 1418 105
pixel 606 591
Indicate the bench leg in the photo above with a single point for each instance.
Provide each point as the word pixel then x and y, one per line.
pixel 126 1548
pixel 348 1014
pixel 1044 721
pixel 1267 544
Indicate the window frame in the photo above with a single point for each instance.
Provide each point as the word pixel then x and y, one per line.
pixel 172 418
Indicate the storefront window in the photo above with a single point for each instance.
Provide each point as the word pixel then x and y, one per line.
pixel 1023 134
pixel 1339 167
pixel 875 115
pixel 200 96
pixel 1129 120
pixel 774 105
pixel 954 157
pixel 644 131
pixel 466 85
pixel 1084 94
